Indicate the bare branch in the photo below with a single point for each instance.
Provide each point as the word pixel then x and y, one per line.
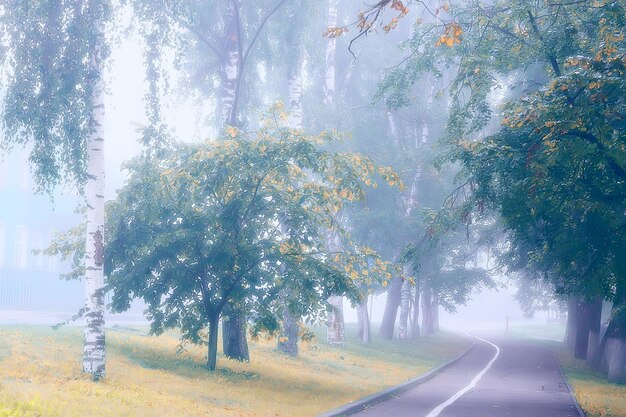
pixel 259 29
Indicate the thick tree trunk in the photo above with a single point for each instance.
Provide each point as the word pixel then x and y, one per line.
pixel 405 306
pixel 595 319
pixel 415 328
pixel 288 340
pixel 616 357
pixel 234 336
pixel 335 325
pixel 391 308
pixel 572 319
pixel 589 314
pixel 94 348
pixel 364 321
pixel 611 353
pixel 212 353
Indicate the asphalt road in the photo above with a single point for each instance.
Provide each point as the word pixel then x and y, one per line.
pixel 499 377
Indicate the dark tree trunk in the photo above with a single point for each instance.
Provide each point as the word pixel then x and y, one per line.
pixel 394 295
pixel 415 327
pixel 212 354
pixel 572 318
pixel 234 336
pixel 612 348
pixel 288 340
pixel 595 319
pixel 583 324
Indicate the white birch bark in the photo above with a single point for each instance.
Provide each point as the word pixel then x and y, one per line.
pixel 94 348
pixel 229 65
pixel 336 326
pixel 295 95
pixel 393 129
pixel 331 47
pixel 335 321
pixel 363 319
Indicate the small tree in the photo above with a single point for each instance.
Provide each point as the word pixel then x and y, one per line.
pixel 200 230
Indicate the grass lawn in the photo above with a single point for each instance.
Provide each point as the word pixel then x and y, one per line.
pixel 40 375
pixel 596 396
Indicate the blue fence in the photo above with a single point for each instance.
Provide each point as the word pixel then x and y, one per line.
pixel 39 291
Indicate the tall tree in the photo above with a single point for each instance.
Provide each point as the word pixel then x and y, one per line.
pixel 199 230
pixel 55 102
pixel 216 40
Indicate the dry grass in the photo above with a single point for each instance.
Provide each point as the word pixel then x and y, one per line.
pixel 40 375
pixel 596 396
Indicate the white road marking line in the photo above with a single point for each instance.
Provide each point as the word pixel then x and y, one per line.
pixel 437 410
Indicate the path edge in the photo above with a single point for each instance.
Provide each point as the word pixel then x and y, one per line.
pixel 581 412
pixel 381 396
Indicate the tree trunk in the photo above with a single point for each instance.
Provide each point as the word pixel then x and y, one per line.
pixel 391 308
pixel 435 315
pixel 588 316
pixel 427 322
pixel 611 353
pixel 572 318
pixel 616 357
pixel 94 348
pixel 595 319
pixel 331 47
pixel 212 354
pixel 234 336
pixel 230 66
pixel 415 328
pixel 295 93
pixel 335 325
pixel 288 340
pixel 364 321
pixel 405 305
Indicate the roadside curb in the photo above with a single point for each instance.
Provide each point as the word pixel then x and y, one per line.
pixel 366 402
pixel 581 412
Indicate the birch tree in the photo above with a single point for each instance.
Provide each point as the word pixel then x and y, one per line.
pixel 54 102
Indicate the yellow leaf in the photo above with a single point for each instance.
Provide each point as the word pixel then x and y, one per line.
pixel 231 131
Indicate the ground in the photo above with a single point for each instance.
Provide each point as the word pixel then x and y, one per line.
pixel 40 375
pixel 596 396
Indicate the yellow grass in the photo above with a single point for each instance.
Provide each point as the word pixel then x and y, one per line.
pixel 596 396
pixel 40 375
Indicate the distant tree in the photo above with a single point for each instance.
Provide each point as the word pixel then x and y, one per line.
pixel 55 102
pixel 200 230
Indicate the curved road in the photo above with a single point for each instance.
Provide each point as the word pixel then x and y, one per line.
pixel 499 377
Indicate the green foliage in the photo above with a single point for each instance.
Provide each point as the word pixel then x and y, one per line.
pixel 202 228
pixel 50 82
pixel 554 170
pixel 69 246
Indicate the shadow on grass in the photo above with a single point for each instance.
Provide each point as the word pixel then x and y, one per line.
pixel 185 366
